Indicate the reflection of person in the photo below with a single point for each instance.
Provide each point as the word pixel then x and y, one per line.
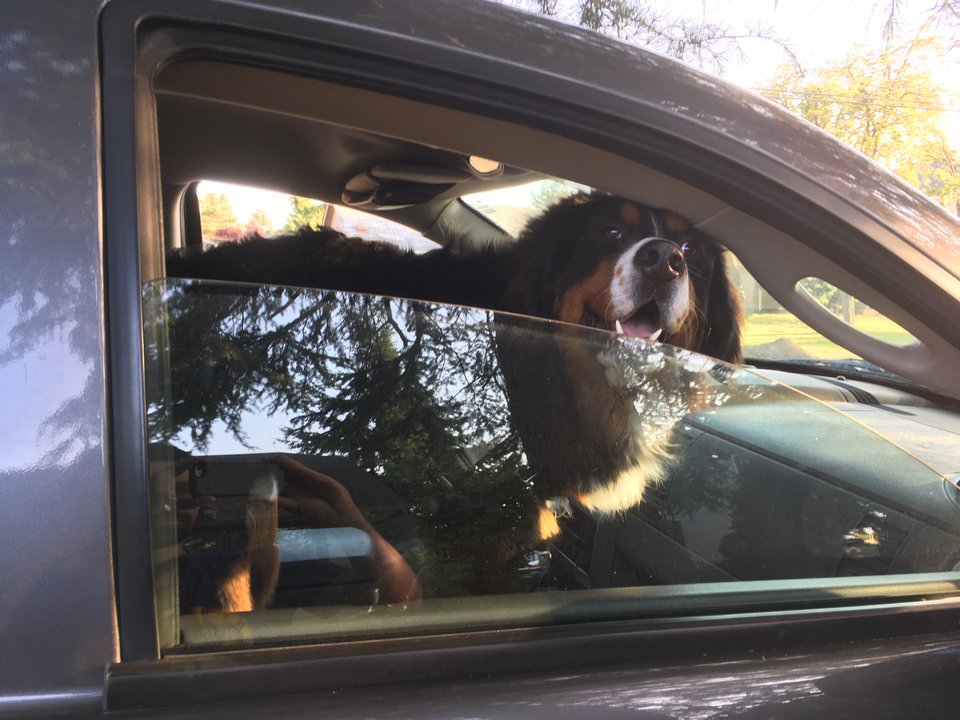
pixel 244 578
pixel 323 501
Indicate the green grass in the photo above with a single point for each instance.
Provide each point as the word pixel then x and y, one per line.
pixel 763 328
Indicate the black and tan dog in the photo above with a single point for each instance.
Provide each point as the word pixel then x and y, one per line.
pixel 592 260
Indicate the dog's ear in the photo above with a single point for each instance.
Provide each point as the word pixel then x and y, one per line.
pixel 724 315
pixel 543 254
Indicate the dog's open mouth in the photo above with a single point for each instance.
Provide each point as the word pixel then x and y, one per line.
pixel 644 323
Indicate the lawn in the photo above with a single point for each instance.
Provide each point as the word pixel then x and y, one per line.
pixel 764 328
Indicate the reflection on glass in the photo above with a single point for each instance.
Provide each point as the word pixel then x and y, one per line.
pixel 340 453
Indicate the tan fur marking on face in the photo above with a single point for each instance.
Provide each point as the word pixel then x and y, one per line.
pixel 630 214
pixel 675 223
pixel 593 293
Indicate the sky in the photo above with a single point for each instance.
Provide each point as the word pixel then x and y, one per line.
pixel 246 200
pixel 819 32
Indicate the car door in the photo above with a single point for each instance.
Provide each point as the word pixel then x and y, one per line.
pixel 661 609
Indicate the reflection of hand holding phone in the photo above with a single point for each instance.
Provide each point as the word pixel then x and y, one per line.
pixel 327 504
pixel 234 477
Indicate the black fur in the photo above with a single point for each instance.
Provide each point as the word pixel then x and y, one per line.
pixel 555 251
pixel 330 260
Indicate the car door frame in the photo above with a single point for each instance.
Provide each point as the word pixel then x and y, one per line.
pixel 347 47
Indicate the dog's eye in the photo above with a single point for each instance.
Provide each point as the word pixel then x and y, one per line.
pixel 688 249
pixel 613 232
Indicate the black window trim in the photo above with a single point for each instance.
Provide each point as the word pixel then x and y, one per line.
pixel 238 675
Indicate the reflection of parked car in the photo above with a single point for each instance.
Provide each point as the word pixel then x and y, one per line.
pixel 786 545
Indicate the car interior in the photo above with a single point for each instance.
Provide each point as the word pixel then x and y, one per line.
pixel 411 162
pixel 383 154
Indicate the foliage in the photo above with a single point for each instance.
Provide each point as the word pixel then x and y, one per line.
pixel 548 193
pixel 216 214
pixel 219 222
pixel 765 328
pixel 884 104
pixel 227 233
pixel 304 213
pixel 710 45
pixel 823 292
pixel 878 102
pixel 260 223
pixel 943 14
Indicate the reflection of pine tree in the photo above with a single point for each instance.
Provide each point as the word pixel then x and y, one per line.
pixel 378 400
pixel 409 392
pixel 407 401
pixel 227 351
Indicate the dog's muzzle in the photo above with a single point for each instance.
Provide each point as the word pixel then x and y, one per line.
pixel 650 292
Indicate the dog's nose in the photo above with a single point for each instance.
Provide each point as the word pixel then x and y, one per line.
pixel 660 260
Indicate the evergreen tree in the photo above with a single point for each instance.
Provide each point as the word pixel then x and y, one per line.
pixel 260 223
pixel 304 213
pixel 216 215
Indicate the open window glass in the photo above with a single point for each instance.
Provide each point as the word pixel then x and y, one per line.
pixel 327 465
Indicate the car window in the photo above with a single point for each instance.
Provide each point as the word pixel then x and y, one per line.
pixel 332 456
pixel 231 212
pixel 336 465
pixel 512 208
pixel 772 333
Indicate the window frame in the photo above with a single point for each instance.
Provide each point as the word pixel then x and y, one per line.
pixel 361 56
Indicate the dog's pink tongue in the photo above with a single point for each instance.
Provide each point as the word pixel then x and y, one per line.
pixel 639 328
